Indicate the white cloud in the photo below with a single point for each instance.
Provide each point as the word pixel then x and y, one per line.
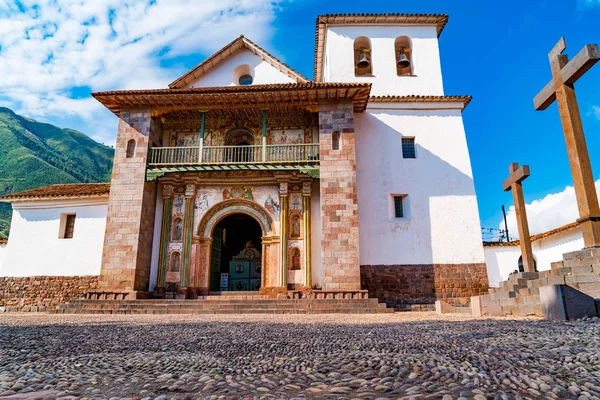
pixel 553 211
pixel 596 111
pixel 49 46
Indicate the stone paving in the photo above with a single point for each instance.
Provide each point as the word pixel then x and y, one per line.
pixel 394 356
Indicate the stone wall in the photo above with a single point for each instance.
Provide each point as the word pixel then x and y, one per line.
pixel 131 206
pixel 37 293
pixel 339 204
pixel 404 286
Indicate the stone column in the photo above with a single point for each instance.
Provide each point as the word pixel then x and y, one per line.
pixel 203 266
pixel 283 217
pixel 271 268
pixel 131 206
pixel 164 233
pixel 306 192
pixel 188 223
pixel 339 204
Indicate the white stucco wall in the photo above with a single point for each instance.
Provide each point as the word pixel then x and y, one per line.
pixel 502 260
pixel 443 224
pixel 339 59
pixel 223 74
pixel 34 247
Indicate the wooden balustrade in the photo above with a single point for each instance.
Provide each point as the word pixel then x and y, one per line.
pixel 220 155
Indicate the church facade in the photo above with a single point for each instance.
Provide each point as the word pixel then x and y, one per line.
pixel 244 175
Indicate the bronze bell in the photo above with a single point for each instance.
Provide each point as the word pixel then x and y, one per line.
pixel 403 61
pixel 362 60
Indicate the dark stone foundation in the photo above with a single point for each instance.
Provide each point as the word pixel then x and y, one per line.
pixel 417 287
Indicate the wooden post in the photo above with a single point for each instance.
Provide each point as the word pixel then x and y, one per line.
pixel 264 137
pixel 201 141
pixel 513 182
pixel 564 75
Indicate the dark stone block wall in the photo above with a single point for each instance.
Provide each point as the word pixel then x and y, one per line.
pixel 406 287
pixel 38 293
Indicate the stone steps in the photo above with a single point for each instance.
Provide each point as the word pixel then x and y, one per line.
pixel 224 306
pixel 520 294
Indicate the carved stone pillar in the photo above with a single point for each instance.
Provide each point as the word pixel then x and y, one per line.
pixel 283 201
pixel 164 233
pixel 202 280
pixel 306 192
pixel 271 270
pixel 187 233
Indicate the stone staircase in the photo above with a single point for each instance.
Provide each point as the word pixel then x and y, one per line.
pixel 520 294
pixel 230 304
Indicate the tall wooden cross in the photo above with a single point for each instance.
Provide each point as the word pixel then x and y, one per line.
pixel 564 74
pixel 513 182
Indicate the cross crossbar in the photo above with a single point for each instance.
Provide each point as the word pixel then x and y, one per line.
pixel 570 73
pixel 516 176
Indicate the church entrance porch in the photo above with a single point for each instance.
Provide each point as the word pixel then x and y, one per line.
pixel 236 259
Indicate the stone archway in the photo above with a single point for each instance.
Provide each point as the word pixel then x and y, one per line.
pixel 270 241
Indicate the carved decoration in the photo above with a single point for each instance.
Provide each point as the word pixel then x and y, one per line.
pixel 168 190
pixel 306 188
pixel 283 189
pixel 189 190
pixel 240 206
pixel 237 192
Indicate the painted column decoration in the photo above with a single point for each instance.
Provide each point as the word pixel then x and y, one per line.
pixel 306 192
pixel 283 215
pixel 187 233
pixel 165 233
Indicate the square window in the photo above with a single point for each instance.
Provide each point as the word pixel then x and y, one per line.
pixel 408 148
pixel 67 226
pixel 398 207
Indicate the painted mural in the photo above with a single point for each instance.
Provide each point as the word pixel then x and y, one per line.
pixel 208 196
pixel 286 136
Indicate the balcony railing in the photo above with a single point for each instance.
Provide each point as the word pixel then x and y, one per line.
pixel 221 155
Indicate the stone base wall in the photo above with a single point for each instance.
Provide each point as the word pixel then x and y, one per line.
pixel 412 287
pixel 38 293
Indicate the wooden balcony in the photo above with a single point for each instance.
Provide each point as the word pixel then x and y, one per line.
pixel 278 154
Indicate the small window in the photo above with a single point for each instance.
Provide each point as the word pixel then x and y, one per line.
pixel 398 206
pixel 67 226
pixel 245 80
pixel 408 148
pixel 335 140
pixel 130 149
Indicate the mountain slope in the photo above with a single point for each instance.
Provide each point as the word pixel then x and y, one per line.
pixel 34 154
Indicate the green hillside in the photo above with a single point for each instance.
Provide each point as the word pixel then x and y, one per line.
pixel 34 154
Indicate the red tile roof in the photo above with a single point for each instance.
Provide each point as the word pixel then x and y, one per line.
pixel 61 191
pixel 421 99
pixel 534 237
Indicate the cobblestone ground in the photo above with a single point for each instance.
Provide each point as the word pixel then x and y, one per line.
pixel 408 355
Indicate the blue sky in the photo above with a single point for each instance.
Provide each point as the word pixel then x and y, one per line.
pixel 54 52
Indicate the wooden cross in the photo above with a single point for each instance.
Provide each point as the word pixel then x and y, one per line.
pixel 513 182
pixel 564 74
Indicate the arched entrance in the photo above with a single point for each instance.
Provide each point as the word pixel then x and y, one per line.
pixel 240 142
pixel 236 251
pixel 269 250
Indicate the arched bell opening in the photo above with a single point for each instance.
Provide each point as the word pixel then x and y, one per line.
pixel 362 56
pixel 403 51
pixel 236 259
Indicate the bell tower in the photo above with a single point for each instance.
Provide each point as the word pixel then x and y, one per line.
pixel 398 54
